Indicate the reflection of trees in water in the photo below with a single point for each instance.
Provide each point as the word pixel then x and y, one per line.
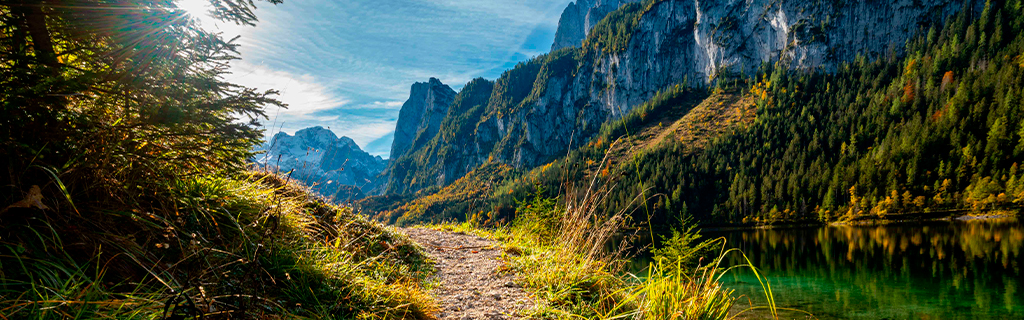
pixel 952 266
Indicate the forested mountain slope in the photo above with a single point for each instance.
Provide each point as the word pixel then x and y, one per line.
pixel 926 123
pixel 938 132
pixel 533 113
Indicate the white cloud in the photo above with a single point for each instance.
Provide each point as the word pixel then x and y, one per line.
pixel 389 104
pixel 304 94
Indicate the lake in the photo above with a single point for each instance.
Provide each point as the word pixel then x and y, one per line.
pixel 925 270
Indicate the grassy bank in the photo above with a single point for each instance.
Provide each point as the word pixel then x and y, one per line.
pixel 575 261
pixel 125 192
pixel 249 246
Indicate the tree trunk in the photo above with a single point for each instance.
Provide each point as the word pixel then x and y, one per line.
pixel 33 20
pixel 42 45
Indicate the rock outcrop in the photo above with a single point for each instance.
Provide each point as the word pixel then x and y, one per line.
pixel 323 161
pixel 421 115
pixel 579 17
pixel 449 153
pixel 545 106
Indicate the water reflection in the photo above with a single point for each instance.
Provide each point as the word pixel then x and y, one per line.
pixel 936 270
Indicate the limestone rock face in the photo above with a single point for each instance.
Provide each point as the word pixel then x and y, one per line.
pixel 322 161
pixel 579 17
pixel 447 154
pixel 695 40
pixel 421 115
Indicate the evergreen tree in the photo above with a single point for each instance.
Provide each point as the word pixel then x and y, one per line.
pixel 120 95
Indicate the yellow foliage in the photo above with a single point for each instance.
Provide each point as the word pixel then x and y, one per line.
pixel 919 201
pixel 910 67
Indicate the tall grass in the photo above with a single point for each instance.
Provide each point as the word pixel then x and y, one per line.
pixel 676 295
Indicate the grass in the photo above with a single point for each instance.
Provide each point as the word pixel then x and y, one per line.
pixel 573 259
pixel 250 246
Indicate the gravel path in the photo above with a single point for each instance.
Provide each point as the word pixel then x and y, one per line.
pixel 469 284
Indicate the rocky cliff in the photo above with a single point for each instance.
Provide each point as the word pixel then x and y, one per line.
pixel 538 110
pixel 676 40
pixel 323 161
pixel 579 17
pixel 449 153
pixel 421 115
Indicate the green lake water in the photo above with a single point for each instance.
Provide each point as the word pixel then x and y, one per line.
pixel 933 270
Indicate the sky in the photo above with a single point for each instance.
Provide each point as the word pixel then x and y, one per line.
pixel 348 65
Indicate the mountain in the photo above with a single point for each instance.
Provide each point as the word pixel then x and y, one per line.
pixel 419 122
pixel 323 161
pixel 421 115
pixel 579 17
pixel 743 112
pixel 544 107
pixel 441 156
pixel 936 132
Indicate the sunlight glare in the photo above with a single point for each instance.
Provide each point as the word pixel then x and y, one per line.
pixel 195 8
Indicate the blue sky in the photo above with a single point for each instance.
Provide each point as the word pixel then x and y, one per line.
pixel 348 65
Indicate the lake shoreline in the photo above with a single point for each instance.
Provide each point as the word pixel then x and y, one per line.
pixel 876 221
pixel 864 221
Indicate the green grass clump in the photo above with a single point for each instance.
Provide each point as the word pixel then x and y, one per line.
pixel 675 295
pixel 250 246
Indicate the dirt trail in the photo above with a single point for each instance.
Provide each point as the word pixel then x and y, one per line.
pixel 469 284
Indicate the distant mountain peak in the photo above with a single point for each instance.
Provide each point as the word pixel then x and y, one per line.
pixel 323 160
